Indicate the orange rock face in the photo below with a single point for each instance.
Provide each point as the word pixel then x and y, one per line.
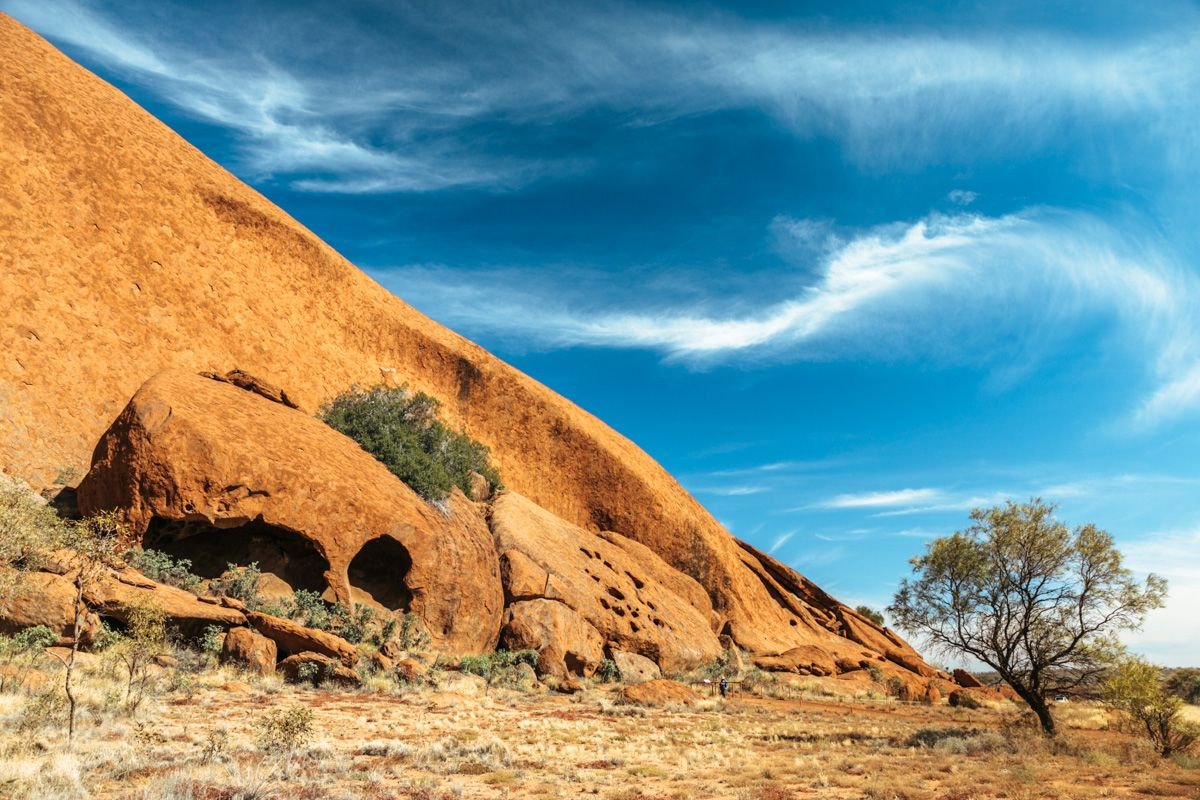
pixel 127 252
pixel 205 470
pixel 622 593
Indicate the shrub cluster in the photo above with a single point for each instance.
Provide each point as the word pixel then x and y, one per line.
pixel 499 668
pixel 161 567
pixel 400 428
pixel 306 606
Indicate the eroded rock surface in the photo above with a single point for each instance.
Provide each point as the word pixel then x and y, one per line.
pixel 42 598
pixel 204 470
pixel 620 588
pixel 566 643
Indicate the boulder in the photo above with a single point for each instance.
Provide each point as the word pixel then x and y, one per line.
pixel 933 695
pixel 635 668
pixel 272 590
pixel 409 670
pixel 659 693
pixel 117 591
pixel 204 470
pixel 566 643
pixel 292 638
pixel 317 668
pixel 630 596
pixel 42 598
pixel 251 649
pixel 966 679
pixel 962 698
pixel 803 660
pixel 911 662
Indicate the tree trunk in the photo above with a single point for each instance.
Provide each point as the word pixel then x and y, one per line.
pixel 71 702
pixel 1040 707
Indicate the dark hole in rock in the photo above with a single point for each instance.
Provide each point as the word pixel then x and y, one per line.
pixel 379 571
pixel 615 592
pixel 636 581
pixel 586 552
pixel 792 622
pixel 633 626
pixel 284 553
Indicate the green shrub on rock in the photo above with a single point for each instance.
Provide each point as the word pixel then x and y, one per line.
pixel 400 429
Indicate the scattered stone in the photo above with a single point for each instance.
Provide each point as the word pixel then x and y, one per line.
pixel 251 649
pixel 660 692
pixel 634 668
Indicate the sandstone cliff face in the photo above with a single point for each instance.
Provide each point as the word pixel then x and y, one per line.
pixel 208 471
pixel 127 251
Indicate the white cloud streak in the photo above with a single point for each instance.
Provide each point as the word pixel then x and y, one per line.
pixel 951 287
pixel 398 115
pixel 899 497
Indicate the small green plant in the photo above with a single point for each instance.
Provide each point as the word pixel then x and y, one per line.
pixel 400 428
pixel 43 710
pixel 283 730
pixel 309 608
pixel 308 672
pixel 240 583
pixel 895 686
pixel 20 653
pixel 871 614
pixel 607 672
pixel 876 673
pixel 212 640
pixel 412 635
pixel 159 566
pixel 351 624
pixel 500 667
pixel 145 639
pixel 108 637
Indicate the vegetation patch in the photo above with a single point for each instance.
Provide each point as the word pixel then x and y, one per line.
pixel 401 429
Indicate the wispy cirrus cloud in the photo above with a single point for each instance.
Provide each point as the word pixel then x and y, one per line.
pixel 943 288
pixel 409 104
pixel 897 497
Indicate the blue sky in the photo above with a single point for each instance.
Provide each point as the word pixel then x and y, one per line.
pixel 847 270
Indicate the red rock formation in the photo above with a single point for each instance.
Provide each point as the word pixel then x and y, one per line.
pixel 619 587
pixel 127 251
pixel 204 469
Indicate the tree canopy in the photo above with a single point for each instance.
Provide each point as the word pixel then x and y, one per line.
pixel 1019 591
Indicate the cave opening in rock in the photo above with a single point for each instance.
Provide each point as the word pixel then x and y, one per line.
pixel 282 552
pixel 377 574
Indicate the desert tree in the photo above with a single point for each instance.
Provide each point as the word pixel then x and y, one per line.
pixel 1019 591
pixel 1136 689
pixel 91 546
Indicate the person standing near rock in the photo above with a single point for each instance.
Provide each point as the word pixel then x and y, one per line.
pixel 724 686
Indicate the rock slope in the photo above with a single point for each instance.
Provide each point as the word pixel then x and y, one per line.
pixel 127 252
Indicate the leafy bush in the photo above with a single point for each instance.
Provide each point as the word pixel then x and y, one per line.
pixel 29 529
pixel 607 672
pixel 284 729
pixel 402 431
pixel 20 651
pixel 1136 689
pixel 871 614
pixel 211 640
pixel 499 667
pixel 161 567
pixel 412 635
pixel 307 606
pixel 240 583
